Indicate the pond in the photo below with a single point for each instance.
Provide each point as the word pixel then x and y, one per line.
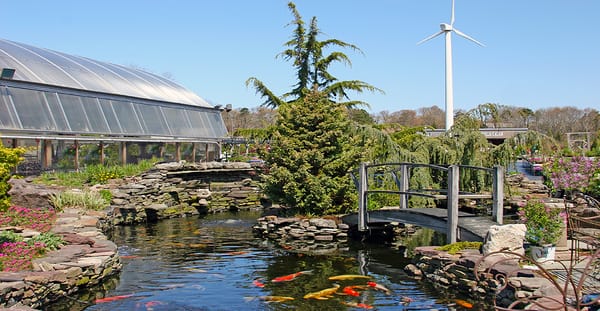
pixel 216 263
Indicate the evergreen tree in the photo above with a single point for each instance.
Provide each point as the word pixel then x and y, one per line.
pixel 311 156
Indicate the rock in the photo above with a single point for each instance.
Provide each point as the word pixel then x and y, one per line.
pixel 28 194
pixel 505 237
pixel 323 223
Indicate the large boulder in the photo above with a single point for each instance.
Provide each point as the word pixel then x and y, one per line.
pixel 507 238
pixel 27 194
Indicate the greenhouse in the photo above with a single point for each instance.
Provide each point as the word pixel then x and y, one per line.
pixel 57 102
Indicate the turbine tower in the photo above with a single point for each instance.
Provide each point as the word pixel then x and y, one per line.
pixel 447 30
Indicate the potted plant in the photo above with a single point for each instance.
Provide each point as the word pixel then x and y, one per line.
pixel 545 226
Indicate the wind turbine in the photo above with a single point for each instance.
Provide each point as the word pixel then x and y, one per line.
pixel 447 30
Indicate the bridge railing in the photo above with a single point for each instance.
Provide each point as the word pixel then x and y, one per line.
pixel 452 194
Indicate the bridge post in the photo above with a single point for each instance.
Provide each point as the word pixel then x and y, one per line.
pixel 452 197
pixel 362 197
pixel 498 194
pixel 403 186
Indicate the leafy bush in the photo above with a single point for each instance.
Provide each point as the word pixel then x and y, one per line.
pixel 9 159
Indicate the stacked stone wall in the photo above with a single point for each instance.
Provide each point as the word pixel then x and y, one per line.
pixel 180 189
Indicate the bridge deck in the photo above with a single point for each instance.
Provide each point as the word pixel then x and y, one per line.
pixel 471 227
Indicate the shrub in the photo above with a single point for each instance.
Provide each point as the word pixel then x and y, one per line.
pixel 9 158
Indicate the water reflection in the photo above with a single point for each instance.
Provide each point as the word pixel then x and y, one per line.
pixel 215 263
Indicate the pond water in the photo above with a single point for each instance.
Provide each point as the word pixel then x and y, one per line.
pixel 215 263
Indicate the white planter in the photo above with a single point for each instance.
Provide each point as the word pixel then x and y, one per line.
pixel 542 253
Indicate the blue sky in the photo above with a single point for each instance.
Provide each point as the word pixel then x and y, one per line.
pixel 538 53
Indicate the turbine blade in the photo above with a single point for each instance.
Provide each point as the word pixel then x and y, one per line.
pixel 460 33
pixel 431 37
pixel 452 16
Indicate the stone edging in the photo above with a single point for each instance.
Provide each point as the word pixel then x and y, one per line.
pixel 86 260
pixel 317 235
pixel 456 272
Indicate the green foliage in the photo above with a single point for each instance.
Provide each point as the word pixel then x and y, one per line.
pixel 50 240
pixel 311 157
pixel 94 174
pixel 9 236
pixel 544 225
pixel 459 246
pixel 9 159
pixel 305 52
pixel 82 199
pixel 105 194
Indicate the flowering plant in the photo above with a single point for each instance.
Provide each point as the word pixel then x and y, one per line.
pixel 544 224
pixel 574 174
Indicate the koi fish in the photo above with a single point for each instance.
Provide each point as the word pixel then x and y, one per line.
pixel 290 277
pixel 258 283
pixel 270 298
pixel 379 287
pixel 357 305
pixel 151 304
pixel 348 277
pixel 112 298
pixel 463 303
pixel 349 290
pixel 323 294
pixel 129 256
pixel 235 253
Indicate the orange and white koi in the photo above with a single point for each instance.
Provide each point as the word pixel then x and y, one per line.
pixel 463 303
pixel 289 277
pixel 379 287
pixel 112 298
pixel 357 305
pixel 323 294
pixel 348 277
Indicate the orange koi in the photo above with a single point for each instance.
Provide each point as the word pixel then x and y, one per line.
pixel 289 277
pixel 463 303
pixel 357 305
pixel 258 283
pixel 112 298
pixel 349 290
pixel 379 287
pixel 129 256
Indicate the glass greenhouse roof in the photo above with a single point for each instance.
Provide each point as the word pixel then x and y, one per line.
pixel 55 93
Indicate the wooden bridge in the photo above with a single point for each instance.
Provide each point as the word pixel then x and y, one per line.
pixel 457 225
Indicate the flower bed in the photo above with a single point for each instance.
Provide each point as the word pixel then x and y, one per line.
pixel 16 252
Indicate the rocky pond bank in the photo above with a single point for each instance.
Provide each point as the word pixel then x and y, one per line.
pixel 86 259
pixel 178 190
